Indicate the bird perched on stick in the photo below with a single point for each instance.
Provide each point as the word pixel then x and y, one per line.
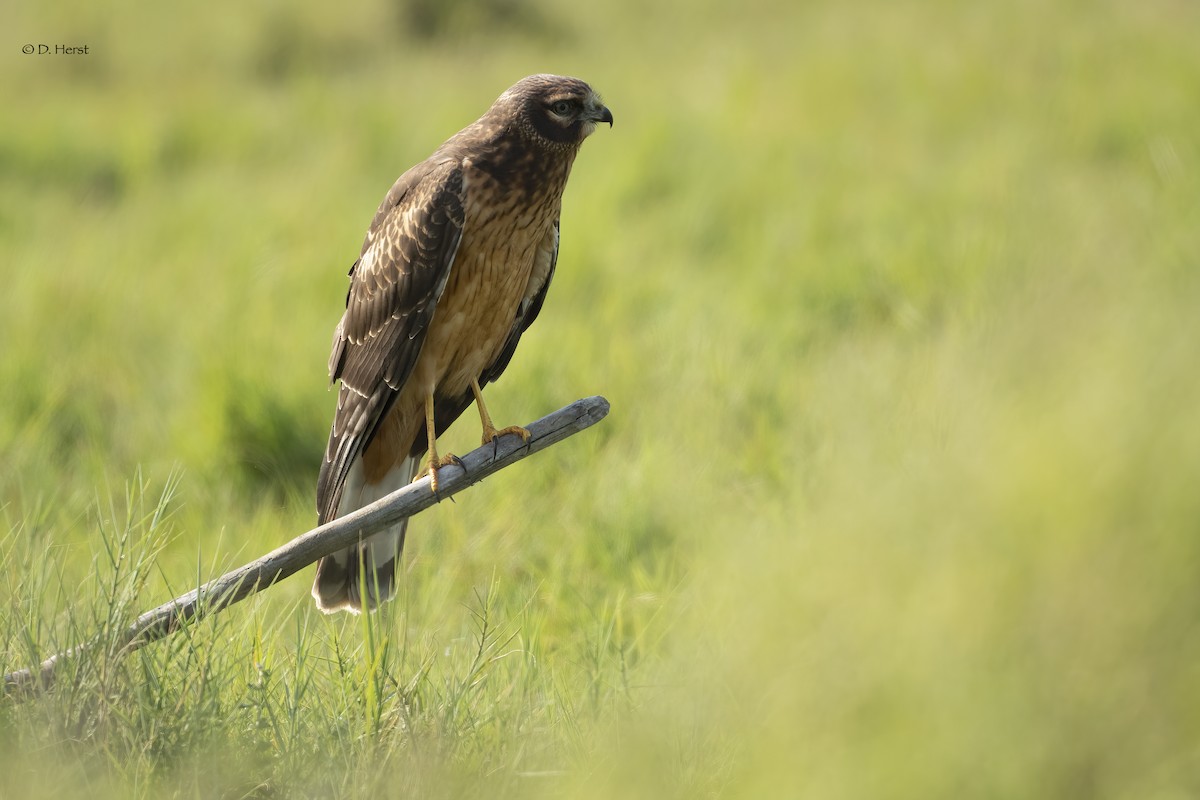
pixel 454 268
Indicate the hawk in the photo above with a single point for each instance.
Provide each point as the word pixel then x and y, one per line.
pixel 455 267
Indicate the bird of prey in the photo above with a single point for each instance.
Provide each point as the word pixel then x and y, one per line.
pixel 454 269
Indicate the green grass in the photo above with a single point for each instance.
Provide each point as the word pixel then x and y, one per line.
pixel 896 306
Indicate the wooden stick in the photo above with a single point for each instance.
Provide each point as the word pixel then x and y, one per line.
pixel 235 586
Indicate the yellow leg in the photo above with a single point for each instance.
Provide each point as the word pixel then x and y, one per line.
pixel 490 434
pixel 433 462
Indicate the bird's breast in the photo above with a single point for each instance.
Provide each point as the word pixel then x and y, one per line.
pixel 489 278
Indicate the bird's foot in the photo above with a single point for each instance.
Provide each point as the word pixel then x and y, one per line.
pixel 490 434
pixel 434 464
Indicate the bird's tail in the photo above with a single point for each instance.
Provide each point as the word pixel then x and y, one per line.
pixel 364 575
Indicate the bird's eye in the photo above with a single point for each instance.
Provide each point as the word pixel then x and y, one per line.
pixel 562 108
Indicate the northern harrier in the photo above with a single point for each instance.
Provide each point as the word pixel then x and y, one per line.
pixel 454 268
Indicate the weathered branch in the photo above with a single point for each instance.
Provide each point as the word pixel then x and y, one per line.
pixel 297 554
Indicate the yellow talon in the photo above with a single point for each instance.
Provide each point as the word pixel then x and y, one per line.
pixel 491 434
pixel 433 464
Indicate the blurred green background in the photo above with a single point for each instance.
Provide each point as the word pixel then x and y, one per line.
pixel 896 305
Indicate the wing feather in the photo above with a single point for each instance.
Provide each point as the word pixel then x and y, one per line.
pixel 394 289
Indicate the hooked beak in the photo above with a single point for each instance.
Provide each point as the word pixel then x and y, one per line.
pixel 602 114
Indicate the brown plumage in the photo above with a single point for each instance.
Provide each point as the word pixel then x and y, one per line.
pixel 454 268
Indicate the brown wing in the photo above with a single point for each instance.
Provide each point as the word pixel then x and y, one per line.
pixel 394 289
pixel 448 409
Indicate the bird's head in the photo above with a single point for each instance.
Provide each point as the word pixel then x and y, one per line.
pixel 561 111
